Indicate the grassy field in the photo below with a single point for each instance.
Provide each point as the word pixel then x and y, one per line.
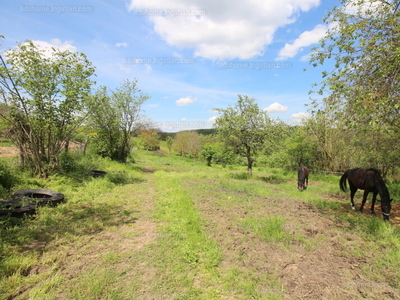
pixel 166 227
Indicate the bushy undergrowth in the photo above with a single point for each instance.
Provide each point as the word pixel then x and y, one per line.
pixel 8 176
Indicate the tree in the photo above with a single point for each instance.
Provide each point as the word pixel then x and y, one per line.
pixel 187 143
pixel 243 128
pixel 301 150
pixel 150 139
pixel 364 42
pixel 363 94
pixel 45 92
pixel 115 116
pixel 169 141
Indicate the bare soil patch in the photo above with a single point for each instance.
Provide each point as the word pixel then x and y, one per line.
pixel 8 151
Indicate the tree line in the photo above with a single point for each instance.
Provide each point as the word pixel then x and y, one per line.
pixel 49 98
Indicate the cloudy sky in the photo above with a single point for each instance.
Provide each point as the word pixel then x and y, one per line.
pixel 189 56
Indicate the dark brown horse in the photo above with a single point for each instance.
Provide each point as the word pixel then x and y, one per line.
pixel 302 178
pixel 368 180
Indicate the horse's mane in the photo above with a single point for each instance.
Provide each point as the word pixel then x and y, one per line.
pixel 380 183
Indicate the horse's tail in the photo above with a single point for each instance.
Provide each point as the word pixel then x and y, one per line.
pixel 342 182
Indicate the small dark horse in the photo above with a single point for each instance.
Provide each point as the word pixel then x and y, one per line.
pixel 302 178
pixel 368 180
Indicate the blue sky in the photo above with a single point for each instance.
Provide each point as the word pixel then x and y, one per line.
pixel 189 56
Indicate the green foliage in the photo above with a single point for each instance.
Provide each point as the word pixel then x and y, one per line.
pixel 208 151
pixel 114 116
pixel 361 92
pixel 187 143
pixel 76 163
pixel 7 177
pixel 170 141
pixel 300 149
pixel 45 92
pixel 243 129
pixel 150 139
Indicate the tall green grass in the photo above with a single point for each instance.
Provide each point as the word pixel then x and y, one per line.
pixel 186 243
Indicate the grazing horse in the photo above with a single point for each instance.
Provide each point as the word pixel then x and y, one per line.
pixel 302 178
pixel 368 180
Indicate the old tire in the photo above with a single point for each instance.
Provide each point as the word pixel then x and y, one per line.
pixel 40 197
pixel 15 208
pixel 10 204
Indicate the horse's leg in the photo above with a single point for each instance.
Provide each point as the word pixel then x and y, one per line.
pixel 307 181
pixel 373 203
pixel 353 190
pixel 366 192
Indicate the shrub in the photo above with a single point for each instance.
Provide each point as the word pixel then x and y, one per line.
pixel 7 178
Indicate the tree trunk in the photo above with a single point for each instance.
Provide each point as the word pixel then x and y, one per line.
pixel 250 161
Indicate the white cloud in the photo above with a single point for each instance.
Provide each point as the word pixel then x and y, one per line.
pixel 148 68
pixel 55 43
pixel 306 57
pixel 305 39
pixel 185 101
pixel 124 68
pixel 121 44
pixel 212 119
pixel 275 108
pixel 222 29
pixel 300 117
pixel 48 48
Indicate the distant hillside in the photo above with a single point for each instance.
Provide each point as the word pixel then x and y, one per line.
pixel 164 135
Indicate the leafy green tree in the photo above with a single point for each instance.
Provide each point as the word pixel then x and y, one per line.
pixel 209 151
pixel 300 149
pixel 115 115
pixel 150 139
pixel 169 141
pixel 378 149
pixel 362 94
pixel 243 129
pixel 45 91
pixel 364 42
pixel 187 143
